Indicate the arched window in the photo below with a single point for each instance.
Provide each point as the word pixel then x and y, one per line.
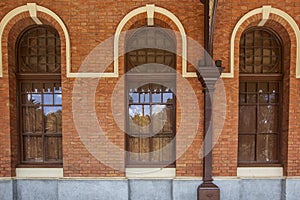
pixel 151 106
pixel 39 96
pixel 260 97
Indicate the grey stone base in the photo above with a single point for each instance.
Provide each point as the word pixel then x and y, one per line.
pixel 148 189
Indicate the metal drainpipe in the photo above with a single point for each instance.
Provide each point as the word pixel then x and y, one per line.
pixel 208 74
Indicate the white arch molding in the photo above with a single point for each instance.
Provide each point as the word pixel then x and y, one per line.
pixel 265 12
pixel 151 9
pixel 33 9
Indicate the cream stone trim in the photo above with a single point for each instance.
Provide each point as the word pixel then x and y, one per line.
pixel 150 14
pixel 255 172
pixel 32 8
pixel 188 178
pixel 150 172
pixel 33 13
pixel 265 11
pixel 149 8
pixel 265 15
pixel 39 172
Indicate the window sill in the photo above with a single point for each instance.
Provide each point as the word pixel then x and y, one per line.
pixel 39 172
pixel 259 172
pixel 37 165
pixel 150 172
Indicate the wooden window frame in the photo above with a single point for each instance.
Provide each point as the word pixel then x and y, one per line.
pixel 147 77
pixel 36 77
pixel 133 76
pixel 276 76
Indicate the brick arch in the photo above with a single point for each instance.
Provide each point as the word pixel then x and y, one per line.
pixel 19 25
pixel 28 14
pixel 10 35
pixel 145 13
pixel 287 37
pixel 140 21
pixel 263 17
pixel 281 29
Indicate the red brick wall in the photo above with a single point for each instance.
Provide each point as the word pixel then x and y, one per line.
pixel 228 14
pixel 90 23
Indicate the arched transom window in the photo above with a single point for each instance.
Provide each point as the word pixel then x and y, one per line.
pixel 260 97
pixel 40 96
pixel 150 87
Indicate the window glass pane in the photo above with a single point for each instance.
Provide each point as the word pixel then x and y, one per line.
pixel 259 49
pixel 274 87
pixel 263 98
pixel 53 119
pixel 37 87
pixel 144 97
pixel 48 99
pixel 242 98
pixel 133 148
pixel 57 99
pixel 133 97
pixel 246 147
pixel 159 117
pixel 57 88
pixel 54 148
pixel 247 119
pixel 32 119
pixel 150 125
pixel 26 99
pixel 268 119
pixel 144 149
pixel 274 98
pixel 33 148
pixel 37 47
pixel 48 88
pixel 156 39
pixel 263 87
pixel 139 119
pixel 168 121
pixel 156 154
pixel 267 148
pixel 36 99
pixel 156 97
pixel 162 150
pixel 251 98
pixel 167 97
pixel 167 150
pixel 260 119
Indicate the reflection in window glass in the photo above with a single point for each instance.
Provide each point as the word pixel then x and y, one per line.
pixel 150 125
pixel 41 116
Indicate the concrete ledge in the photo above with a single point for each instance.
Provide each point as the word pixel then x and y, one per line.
pixel 6 189
pixel 260 189
pixel 185 189
pixel 147 189
pixel 292 189
pixel 150 189
pixel 93 189
pixel 36 189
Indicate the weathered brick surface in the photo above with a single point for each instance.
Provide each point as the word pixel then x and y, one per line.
pixel 91 22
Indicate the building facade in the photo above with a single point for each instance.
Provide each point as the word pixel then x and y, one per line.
pixel 101 99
